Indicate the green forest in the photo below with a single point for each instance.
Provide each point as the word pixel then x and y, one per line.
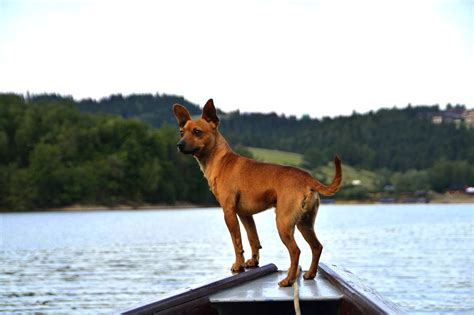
pixel 56 151
pixel 53 155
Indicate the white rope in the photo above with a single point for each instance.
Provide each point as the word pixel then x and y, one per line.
pixel 296 298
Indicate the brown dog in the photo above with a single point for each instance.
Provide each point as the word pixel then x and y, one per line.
pixel 244 187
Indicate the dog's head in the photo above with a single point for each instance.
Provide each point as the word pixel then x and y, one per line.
pixel 197 135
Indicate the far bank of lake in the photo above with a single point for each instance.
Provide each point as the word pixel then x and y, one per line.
pixel 446 198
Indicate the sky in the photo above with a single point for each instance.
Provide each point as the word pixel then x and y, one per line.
pixel 302 57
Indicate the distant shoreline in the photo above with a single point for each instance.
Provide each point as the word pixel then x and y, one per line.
pixel 440 199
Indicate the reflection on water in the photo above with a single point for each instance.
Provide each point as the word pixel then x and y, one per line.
pixel 420 256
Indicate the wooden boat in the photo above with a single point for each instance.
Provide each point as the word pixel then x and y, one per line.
pixel 255 291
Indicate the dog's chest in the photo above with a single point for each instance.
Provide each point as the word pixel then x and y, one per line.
pixel 216 187
pixel 213 186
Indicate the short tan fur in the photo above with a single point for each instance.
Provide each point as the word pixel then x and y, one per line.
pixel 244 187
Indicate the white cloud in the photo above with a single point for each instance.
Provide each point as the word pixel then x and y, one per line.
pixel 320 58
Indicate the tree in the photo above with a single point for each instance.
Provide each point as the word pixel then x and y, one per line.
pixel 411 181
pixel 314 158
pixel 451 173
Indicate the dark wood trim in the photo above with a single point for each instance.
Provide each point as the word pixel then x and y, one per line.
pixel 197 292
pixel 358 297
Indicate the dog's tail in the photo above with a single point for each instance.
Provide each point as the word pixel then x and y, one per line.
pixel 335 184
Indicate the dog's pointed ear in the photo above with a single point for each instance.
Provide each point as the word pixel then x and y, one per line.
pixel 182 114
pixel 209 113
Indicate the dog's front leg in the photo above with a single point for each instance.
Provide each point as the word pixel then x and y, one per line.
pixel 249 225
pixel 234 229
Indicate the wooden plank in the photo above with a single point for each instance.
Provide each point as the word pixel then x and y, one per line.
pixel 199 293
pixel 266 289
pixel 358 297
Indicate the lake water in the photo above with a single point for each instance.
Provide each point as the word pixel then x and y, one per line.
pixel 419 256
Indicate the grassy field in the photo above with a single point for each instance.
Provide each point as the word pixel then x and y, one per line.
pixel 276 156
pixel 366 180
pixel 324 174
pixel 350 174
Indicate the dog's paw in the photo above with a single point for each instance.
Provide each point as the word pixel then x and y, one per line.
pixel 251 263
pixel 286 282
pixel 308 276
pixel 237 267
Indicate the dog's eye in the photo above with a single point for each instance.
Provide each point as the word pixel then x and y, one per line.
pixel 181 133
pixel 197 132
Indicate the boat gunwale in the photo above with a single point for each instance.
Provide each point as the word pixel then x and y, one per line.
pixel 198 291
pixel 358 298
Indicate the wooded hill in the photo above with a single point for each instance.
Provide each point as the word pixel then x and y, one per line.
pixel 395 139
pixel 55 151
pixel 53 155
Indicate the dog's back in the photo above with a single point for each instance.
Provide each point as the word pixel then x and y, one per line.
pixel 258 186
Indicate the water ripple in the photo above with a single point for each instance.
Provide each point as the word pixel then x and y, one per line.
pixel 94 263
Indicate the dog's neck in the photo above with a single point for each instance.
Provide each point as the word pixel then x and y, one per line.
pixel 209 161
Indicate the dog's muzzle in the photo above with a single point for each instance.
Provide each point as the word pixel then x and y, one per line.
pixel 181 145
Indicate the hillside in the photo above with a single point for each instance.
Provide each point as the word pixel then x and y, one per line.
pixel 324 173
pixel 276 156
pixel 357 183
pixel 393 139
pixel 396 139
pixel 53 155
pixel 152 109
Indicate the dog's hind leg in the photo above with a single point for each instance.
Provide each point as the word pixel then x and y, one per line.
pixel 306 227
pixel 250 228
pixel 286 230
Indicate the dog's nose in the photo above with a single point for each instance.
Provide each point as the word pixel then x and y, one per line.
pixel 180 145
